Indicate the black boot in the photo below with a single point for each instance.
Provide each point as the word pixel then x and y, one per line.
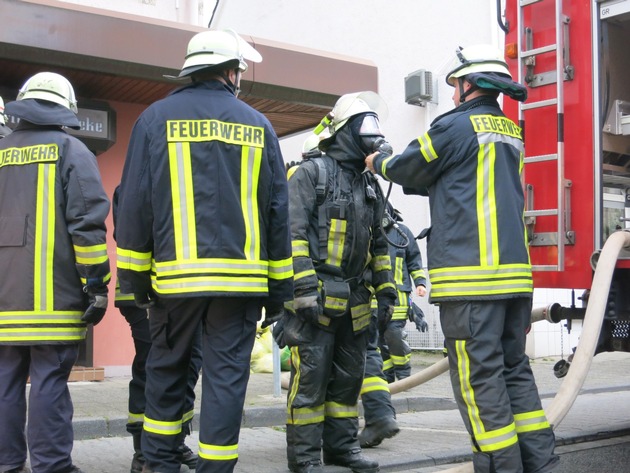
pixel 354 460
pixel 137 462
pixel 313 466
pixel 19 469
pixel 373 434
pixel 186 456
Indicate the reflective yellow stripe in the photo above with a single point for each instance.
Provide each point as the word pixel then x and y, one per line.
pixel 400 360
pixel 95 254
pixel 381 263
pixel 384 167
pixel 398 271
pixel 162 427
pixel 282 269
pixel 373 383
pixel 530 421
pixel 388 364
pixel 183 200
pixel 305 415
pixel 299 248
pixel 481 280
pixel 38 334
pixel 188 416
pixel 304 274
pixel 295 379
pixel 385 285
pixel 43 278
pixel 418 273
pixel 361 315
pixel 468 395
pixel 211 266
pixel 494 440
pixel 135 418
pixel 335 303
pixel 218 452
pixel 487 206
pixel 250 170
pixel 426 148
pixel 22 317
pixel 210 284
pixel 336 241
pixel 133 260
pixel 340 411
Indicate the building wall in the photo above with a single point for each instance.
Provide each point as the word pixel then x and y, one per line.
pixel 399 37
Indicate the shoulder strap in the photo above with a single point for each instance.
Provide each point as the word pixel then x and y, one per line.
pixel 321 189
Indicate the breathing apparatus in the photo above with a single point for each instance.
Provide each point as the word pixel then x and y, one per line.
pixel 362 112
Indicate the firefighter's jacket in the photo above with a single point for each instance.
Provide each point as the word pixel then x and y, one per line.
pixel 52 235
pixel 337 241
pixel 203 207
pixel 406 266
pixel 470 163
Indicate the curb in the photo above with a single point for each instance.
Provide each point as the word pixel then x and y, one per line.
pixel 86 428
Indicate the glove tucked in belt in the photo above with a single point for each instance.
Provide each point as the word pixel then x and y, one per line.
pixel 308 306
pixel 384 312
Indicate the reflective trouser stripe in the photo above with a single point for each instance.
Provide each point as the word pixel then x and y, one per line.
pixel 188 416
pixel 305 415
pixel 530 421
pixel 218 452
pixel 495 439
pixel 340 411
pixel 162 427
pixel 374 383
pixel 388 364
pixel 135 418
pixel 400 360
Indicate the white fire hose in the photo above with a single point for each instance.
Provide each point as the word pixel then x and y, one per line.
pixel 570 387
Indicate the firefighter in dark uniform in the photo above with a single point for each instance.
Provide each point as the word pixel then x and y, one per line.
pixel 203 237
pixel 53 256
pixel 406 266
pixel 335 211
pixel 469 163
pixel 4 129
pixel 138 321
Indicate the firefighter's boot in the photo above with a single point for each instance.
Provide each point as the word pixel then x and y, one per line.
pixel 19 469
pixel 187 456
pixel 137 462
pixel 353 459
pixel 373 434
pixel 313 466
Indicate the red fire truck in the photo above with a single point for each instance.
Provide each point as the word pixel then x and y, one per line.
pixel 574 56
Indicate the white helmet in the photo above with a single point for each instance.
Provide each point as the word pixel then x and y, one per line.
pixel 478 58
pixel 3 118
pixel 310 147
pixel 49 86
pixel 215 47
pixel 353 104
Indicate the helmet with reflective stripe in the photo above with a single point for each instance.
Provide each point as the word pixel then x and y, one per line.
pixel 216 47
pixel 49 86
pixel 353 104
pixel 475 59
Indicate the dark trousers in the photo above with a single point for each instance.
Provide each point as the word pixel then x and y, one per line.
pixel 494 386
pixel 375 395
pixel 327 368
pixel 139 325
pixel 395 351
pixel 49 434
pixel 229 329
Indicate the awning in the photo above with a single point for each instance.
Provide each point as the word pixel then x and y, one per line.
pixel 120 57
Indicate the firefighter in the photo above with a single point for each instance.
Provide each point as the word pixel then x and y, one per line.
pixel 4 129
pixel 335 209
pixel 469 162
pixel 203 237
pixel 407 267
pixel 53 256
pixel 138 321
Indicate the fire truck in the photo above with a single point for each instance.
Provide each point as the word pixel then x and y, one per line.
pixel 574 57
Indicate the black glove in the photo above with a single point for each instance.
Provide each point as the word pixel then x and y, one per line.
pixel 146 299
pixel 278 332
pixel 418 318
pixel 97 295
pixel 421 324
pixel 308 307
pixel 273 313
pixel 384 312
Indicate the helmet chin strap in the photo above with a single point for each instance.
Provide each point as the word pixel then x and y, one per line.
pixel 232 85
pixel 464 94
